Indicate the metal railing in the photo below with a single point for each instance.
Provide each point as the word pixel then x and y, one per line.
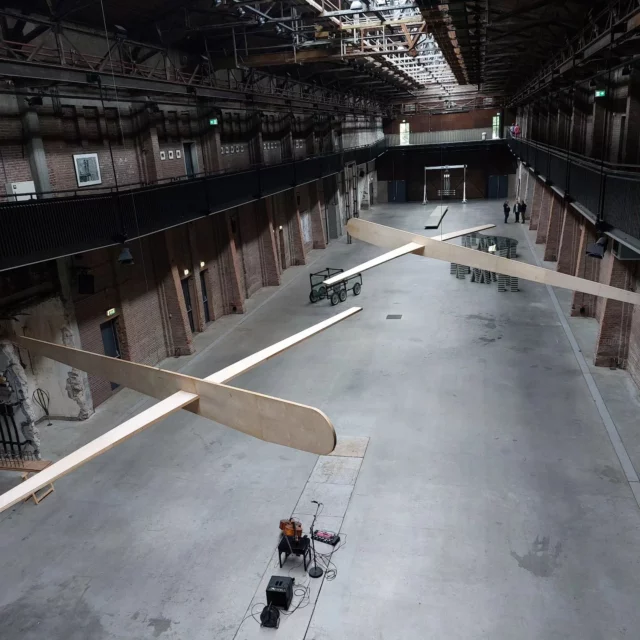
pixel 610 191
pixel 439 137
pixel 47 228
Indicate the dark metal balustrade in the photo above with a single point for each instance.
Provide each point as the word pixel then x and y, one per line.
pixel 610 191
pixel 50 227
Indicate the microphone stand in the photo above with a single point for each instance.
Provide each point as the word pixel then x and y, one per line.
pixel 315 571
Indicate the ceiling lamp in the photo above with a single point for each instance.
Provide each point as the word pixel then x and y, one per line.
pixel 356 5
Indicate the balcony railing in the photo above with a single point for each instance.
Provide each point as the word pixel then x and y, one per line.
pixel 609 191
pixel 47 228
pixel 439 137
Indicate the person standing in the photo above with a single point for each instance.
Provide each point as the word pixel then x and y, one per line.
pixel 507 210
pixel 516 210
pixel 523 210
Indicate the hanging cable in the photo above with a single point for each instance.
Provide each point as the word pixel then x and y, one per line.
pixel 115 89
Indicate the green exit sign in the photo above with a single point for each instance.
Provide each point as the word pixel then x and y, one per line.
pixel 601 93
pixel 213 122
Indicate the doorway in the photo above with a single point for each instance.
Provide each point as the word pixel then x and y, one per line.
pixel 190 163
pixel 405 133
pixel 110 343
pixel 186 292
pixel 205 296
pixel 283 251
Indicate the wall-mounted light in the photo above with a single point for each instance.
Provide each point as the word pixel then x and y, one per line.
pixel 202 264
pixel 186 272
pixel 111 312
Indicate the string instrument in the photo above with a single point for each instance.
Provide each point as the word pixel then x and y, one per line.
pixel 291 528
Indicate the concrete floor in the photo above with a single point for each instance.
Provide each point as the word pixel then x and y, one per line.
pixel 490 502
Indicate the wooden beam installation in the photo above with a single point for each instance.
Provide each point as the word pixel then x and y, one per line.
pixel 385 257
pixel 411 247
pixel 248 363
pixel 176 401
pixel 264 417
pixel 97 447
pixel 390 238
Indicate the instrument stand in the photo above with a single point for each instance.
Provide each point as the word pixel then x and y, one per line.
pixel 315 571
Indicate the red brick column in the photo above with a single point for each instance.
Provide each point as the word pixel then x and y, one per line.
pixel 232 286
pixel 569 242
pixel 612 348
pixel 534 205
pixel 554 228
pixel 316 206
pixel 295 229
pixel 584 304
pixel 545 213
pixel 268 250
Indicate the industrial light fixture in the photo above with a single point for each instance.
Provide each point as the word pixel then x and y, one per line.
pixel 592 84
pixel 125 256
pixel 597 249
pixel 356 5
pixel 241 11
pixel 202 264
pixel 186 272
pixel 626 70
pixel 36 101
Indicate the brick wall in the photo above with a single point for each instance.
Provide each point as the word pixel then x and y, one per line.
pixel 476 119
pixel 615 317
pixel 90 310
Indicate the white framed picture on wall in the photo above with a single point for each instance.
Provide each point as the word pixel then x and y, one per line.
pixel 87 169
pixel 178 154
pixel 170 154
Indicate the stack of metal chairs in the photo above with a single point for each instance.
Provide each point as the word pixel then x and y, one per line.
pixel 504 248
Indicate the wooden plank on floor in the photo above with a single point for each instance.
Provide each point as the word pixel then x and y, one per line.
pixel 436 217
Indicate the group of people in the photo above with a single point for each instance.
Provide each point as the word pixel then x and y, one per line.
pixel 519 210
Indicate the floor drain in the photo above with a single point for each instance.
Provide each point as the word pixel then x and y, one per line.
pixel 392 316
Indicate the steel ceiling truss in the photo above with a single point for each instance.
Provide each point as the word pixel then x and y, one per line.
pixel 56 53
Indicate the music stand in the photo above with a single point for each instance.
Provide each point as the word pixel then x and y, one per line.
pixel 315 571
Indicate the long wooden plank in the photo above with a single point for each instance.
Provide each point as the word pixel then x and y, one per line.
pixel 463 232
pixel 157 412
pixel 388 237
pixel 401 251
pixel 270 419
pixel 385 257
pixel 244 365
pixel 97 447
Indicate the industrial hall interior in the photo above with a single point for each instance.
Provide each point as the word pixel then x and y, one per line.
pixel 319 319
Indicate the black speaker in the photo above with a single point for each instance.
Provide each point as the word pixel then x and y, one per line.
pixel 280 592
pixel 86 284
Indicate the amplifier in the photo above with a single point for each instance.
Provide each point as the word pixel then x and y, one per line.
pixel 280 592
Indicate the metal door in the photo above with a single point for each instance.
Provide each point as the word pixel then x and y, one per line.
pixel 110 343
pixel 189 161
pixel 186 292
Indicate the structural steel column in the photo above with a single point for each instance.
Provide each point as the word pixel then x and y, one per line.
pixel 35 148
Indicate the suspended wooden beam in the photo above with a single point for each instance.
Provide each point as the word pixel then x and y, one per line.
pixel 385 257
pixel 97 447
pixel 175 402
pixel 390 238
pixel 410 247
pixel 244 365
